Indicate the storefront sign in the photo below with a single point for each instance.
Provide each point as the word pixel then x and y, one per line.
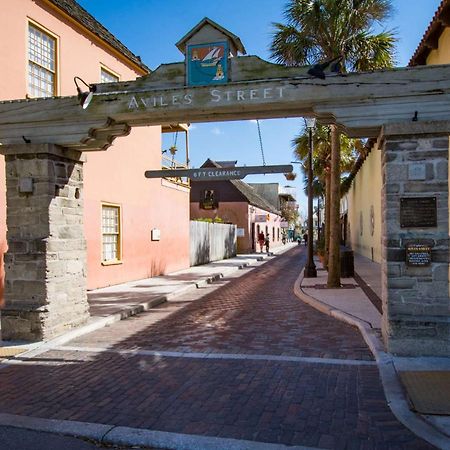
pixel 209 200
pixel 418 255
pixel 418 212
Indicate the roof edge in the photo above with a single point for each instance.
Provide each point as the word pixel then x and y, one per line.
pixel 206 20
pixel 432 33
pixel 74 11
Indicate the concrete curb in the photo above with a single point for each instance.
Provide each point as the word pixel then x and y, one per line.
pixel 176 441
pixel 392 387
pixel 113 435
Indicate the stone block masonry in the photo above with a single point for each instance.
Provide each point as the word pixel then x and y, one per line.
pixel 45 265
pixel 415 299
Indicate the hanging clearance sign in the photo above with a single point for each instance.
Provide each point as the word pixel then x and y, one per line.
pixel 218 173
pixel 207 64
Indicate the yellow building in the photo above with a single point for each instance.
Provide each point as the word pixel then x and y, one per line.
pixel 362 204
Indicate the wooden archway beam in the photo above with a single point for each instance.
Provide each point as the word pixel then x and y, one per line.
pixel 361 103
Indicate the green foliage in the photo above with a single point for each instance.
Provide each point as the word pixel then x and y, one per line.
pixel 351 149
pixel 289 213
pixel 320 245
pixel 322 29
pixel 209 220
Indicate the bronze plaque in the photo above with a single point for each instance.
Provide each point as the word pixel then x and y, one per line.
pixel 418 255
pixel 418 212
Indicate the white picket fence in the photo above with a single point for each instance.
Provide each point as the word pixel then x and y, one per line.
pixel 211 242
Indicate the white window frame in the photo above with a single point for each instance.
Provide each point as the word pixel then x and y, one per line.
pixel 117 233
pixel 37 65
pixel 114 77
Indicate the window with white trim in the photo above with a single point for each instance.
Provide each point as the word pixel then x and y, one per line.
pixel 107 77
pixel 41 63
pixel 111 251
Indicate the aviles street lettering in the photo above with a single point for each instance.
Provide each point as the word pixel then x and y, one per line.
pixel 246 95
pixel 215 96
pixel 159 101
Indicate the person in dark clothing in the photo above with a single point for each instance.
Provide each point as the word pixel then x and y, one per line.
pixel 261 240
pixel 305 238
pixel 267 242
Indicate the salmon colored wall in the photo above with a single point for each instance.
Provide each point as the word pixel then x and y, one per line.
pixel 114 176
pixel 145 204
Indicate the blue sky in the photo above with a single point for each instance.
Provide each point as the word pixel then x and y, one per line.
pixel 150 29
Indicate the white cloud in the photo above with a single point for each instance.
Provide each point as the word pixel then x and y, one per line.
pixel 217 131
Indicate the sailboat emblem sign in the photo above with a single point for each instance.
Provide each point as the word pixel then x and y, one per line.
pixel 207 64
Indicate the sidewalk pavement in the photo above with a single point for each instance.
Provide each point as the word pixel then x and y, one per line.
pixel 358 302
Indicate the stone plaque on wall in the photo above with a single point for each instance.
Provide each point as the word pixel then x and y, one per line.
pixel 418 212
pixel 418 255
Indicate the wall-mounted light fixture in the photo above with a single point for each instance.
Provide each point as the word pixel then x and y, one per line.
pixel 84 97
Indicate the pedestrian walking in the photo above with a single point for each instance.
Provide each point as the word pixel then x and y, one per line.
pixel 261 240
pixel 267 242
pixel 305 238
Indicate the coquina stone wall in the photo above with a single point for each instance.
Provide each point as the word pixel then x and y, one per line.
pixel 45 286
pixel 415 299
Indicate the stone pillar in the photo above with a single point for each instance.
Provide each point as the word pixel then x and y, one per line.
pixel 45 265
pixel 415 298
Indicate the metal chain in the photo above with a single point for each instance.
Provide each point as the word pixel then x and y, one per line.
pixel 260 142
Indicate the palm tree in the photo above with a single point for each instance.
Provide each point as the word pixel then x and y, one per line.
pixel 351 149
pixel 326 29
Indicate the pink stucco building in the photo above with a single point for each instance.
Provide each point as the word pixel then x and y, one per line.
pixel 236 202
pixel 134 227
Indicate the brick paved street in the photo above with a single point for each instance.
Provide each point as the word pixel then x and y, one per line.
pixel 240 368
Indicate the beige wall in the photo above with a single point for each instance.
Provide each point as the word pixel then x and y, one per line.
pixel 364 196
pixel 441 55
pixel 115 176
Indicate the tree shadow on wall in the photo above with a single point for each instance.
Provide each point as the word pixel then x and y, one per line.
pixel 202 253
pixel 230 243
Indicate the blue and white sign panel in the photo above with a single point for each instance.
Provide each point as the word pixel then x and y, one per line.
pixel 207 64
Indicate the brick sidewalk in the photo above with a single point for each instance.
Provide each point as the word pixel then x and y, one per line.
pixel 335 401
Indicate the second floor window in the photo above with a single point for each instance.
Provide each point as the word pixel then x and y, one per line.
pixel 107 77
pixel 41 63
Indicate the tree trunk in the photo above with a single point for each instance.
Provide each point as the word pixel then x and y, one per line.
pixel 334 263
pixel 327 219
